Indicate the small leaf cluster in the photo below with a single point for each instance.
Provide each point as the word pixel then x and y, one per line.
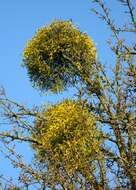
pixel 69 137
pixel 58 55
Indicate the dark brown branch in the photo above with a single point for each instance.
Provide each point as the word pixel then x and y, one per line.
pixel 131 12
pixel 19 138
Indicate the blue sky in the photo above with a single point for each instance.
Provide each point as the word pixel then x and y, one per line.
pixel 19 22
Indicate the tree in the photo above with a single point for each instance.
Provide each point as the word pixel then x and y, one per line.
pixel 72 148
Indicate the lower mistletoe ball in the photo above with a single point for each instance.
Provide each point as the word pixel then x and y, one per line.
pixel 59 56
pixel 68 138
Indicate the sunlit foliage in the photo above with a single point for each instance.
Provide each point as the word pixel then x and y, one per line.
pixel 58 55
pixel 69 137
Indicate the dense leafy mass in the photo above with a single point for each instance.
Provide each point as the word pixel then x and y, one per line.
pixel 58 56
pixel 69 137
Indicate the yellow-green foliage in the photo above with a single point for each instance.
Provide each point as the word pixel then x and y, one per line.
pixel 58 55
pixel 69 137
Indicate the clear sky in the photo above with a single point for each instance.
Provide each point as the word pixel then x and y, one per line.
pixel 19 20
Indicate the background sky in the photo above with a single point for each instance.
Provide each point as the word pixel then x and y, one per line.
pixel 19 20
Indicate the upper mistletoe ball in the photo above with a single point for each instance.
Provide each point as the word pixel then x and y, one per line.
pixel 58 56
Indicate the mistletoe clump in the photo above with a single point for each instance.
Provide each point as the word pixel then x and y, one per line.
pixel 58 56
pixel 68 137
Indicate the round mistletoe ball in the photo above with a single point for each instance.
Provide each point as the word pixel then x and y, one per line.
pixel 59 56
pixel 67 137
